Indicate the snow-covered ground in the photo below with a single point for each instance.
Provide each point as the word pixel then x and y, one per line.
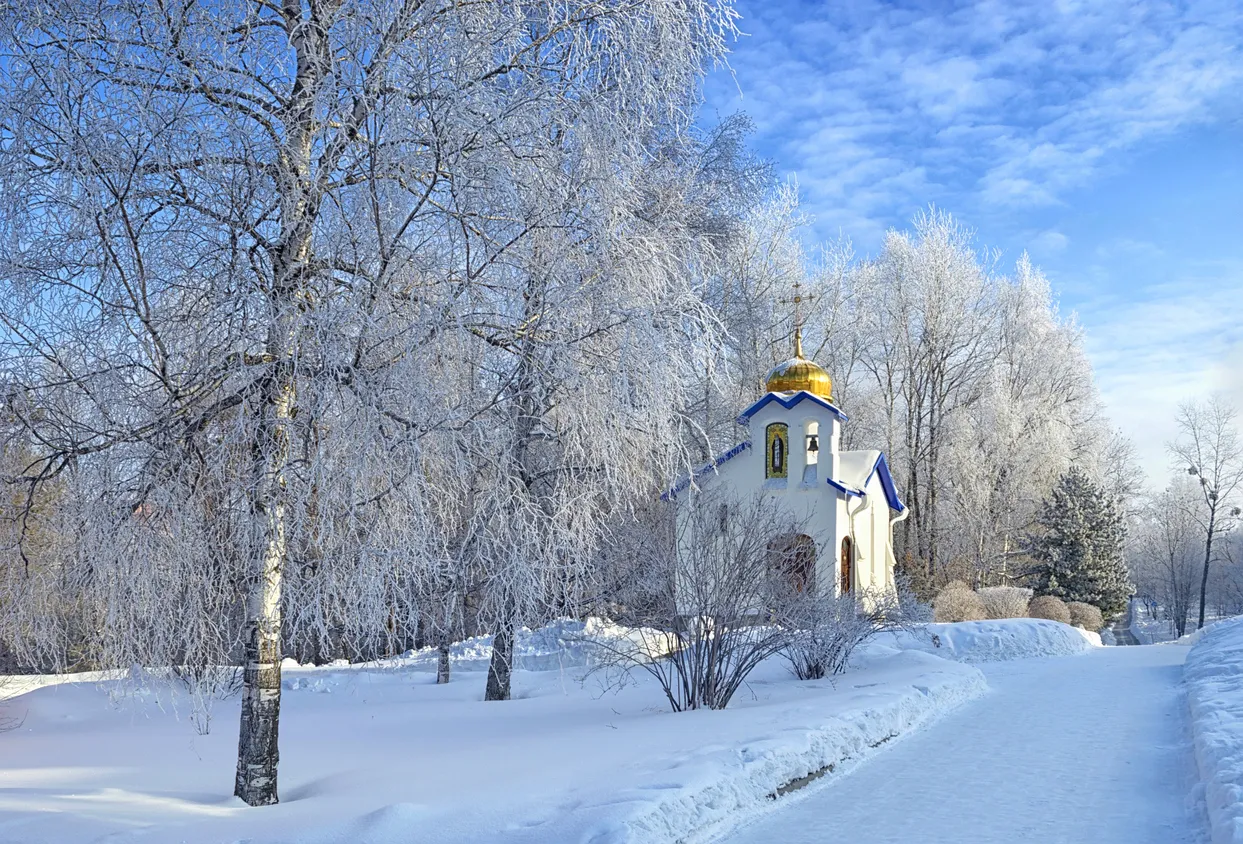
pixel 379 753
pixel 1214 676
pixel 1149 630
pixel 1061 751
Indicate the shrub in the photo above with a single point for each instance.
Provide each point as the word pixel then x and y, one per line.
pixel 1086 616
pixel 700 625
pixel 1046 606
pixel 825 629
pixel 957 602
pixel 1005 601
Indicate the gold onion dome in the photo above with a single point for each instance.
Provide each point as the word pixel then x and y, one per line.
pixel 799 373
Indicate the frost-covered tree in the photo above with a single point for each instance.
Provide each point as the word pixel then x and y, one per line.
pixel 1078 549
pixel 936 315
pixel 246 290
pixel 746 288
pixel 970 378
pixel 1210 449
pixel 1010 446
pixel 1167 549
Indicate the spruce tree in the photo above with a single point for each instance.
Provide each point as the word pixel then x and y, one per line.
pixel 1078 550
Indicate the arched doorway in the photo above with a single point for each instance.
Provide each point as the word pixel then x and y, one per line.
pixel 848 559
pixel 794 558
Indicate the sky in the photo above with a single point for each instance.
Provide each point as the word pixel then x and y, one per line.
pixel 1103 137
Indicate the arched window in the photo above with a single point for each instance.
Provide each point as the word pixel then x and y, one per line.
pixel 794 558
pixel 776 450
pixel 811 453
pixel 848 559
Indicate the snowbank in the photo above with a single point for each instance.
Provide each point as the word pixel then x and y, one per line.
pixel 380 753
pixel 712 789
pixel 1213 674
pixel 990 641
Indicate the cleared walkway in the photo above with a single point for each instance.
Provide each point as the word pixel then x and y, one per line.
pixel 1082 750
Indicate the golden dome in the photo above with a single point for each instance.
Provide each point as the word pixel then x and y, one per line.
pixel 799 373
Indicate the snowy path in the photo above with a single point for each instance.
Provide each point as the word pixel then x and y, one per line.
pixel 1089 748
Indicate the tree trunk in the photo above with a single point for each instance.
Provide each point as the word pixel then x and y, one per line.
pixel 501 666
pixel 257 750
pixel 1208 555
pixel 442 662
pixel 445 632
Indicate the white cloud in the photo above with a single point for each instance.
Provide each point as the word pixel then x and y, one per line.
pixel 1014 101
pixel 1049 242
pixel 1153 349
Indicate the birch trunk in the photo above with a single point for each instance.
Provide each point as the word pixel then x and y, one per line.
pixel 257 747
pixel 500 668
pixel 442 663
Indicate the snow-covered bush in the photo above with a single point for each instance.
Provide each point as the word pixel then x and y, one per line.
pixel 958 602
pixel 1047 606
pixel 825 629
pixel 1005 601
pixel 1086 616
pixel 707 611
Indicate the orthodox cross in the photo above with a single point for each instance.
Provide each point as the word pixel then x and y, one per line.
pixel 797 301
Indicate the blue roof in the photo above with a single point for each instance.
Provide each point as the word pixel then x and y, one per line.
pixel 841 487
pixel 685 480
pixel 879 470
pixel 788 402
pixel 887 484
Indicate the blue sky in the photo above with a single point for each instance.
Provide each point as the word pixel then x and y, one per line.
pixel 1103 137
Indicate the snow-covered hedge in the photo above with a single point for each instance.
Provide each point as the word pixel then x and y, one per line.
pixel 1214 677
pixel 999 639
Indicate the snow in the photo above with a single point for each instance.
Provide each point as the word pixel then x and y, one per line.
pixel 1001 639
pixel 1061 751
pixel 855 467
pixel 1149 630
pixel 1214 678
pixel 378 753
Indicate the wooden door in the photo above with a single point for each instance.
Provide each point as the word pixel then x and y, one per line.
pixel 847 564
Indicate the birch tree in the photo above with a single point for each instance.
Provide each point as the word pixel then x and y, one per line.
pixel 931 338
pixel 235 236
pixel 972 381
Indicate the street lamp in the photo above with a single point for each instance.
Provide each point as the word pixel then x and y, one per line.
pixel 1210 499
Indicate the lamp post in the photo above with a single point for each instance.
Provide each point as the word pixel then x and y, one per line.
pixel 1211 496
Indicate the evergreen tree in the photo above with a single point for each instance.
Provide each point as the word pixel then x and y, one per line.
pixel 1078 550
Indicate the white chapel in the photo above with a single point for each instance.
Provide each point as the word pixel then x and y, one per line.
pixel 847 500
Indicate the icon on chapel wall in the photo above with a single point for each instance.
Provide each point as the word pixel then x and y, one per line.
pixel 778 437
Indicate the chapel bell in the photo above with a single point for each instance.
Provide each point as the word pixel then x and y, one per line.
pixel 813 442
